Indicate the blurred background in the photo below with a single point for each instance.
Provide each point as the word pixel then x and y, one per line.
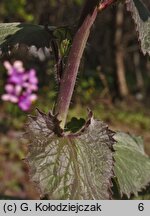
pixel 114 81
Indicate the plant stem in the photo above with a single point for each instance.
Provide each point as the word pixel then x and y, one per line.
pixel 68 80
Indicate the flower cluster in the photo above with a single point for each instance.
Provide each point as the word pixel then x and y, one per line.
pixel 21 85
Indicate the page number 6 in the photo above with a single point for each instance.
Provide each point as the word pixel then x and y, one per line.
pixel 141 207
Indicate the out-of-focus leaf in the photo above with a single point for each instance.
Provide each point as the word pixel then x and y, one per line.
pixel 70 166
pixel 132 165
pixel 35 37
pixel 141 16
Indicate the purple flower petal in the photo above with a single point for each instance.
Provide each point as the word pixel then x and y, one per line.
pixel 18 89
pixel 25 77
pixel 24 103
pixel 13 98
pixel 10 97
pixel 18 65
pixel 8 66
pixel 33 97
pixel 30 87
pixel 20 85
pixel 5 97
pixel 16 78
pixel 32 77
pixel 9 88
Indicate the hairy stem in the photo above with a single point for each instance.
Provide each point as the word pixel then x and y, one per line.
pixel 71 70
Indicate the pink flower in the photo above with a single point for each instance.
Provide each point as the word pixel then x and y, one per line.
pixel 26 100
pixel 21 85
pixel 10 97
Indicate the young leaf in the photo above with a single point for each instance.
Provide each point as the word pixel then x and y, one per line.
pixel 132 165
pixel 70 166
pixel 141 16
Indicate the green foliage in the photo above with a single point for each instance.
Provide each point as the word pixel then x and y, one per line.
pixel 122 116
pixel 132 165
pixel 70 166
pixel 141 16
pixel 64 37
pixel 16 34
pixel 79 2
pixel 77 163
pixel 35 39
pixel 17 7
pixel 86 88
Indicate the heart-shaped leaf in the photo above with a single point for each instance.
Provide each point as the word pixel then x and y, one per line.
pixel 141 16
pixel 132 165
pixel 70 166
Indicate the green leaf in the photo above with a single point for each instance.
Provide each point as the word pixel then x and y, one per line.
pixel 35 37
pixel 141 16
pixel 132 165
pixel 70 165
pixel 75 124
